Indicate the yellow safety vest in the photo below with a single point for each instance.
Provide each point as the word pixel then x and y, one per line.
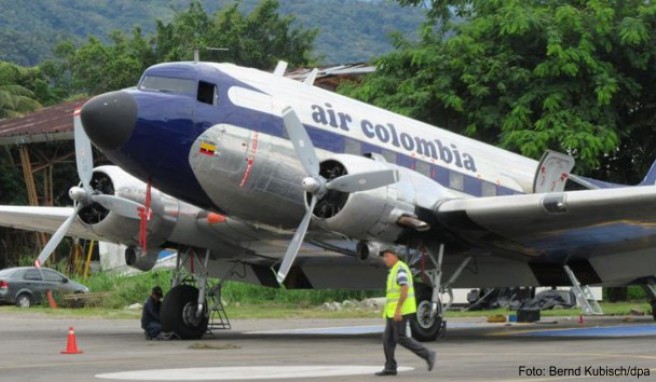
pixel 393 292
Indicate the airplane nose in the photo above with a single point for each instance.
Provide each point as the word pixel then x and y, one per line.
pixel 109 119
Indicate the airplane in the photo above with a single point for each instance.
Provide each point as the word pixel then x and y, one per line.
pixel 258 178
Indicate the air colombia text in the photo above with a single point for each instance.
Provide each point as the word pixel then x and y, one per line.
pixel 387 133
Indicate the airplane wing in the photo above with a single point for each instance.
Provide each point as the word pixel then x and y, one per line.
pixel 43 219
pixel 556 221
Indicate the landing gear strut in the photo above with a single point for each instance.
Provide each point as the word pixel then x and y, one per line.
pixel 429 323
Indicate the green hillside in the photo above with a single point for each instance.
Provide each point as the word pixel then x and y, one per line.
pixel 349 30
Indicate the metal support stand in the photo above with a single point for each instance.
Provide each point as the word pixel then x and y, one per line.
pixel 583 295
pixel 650 290
pixel 218 315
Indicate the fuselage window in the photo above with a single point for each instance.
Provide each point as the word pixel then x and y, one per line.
pixel 168 84
pixel 456 181
pixel 390 156
pixel 207 93
pixel 352 146
pixel 489 189
pixel 424 168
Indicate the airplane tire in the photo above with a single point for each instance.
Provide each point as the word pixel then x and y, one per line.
pixel 422 326
pixel 178 313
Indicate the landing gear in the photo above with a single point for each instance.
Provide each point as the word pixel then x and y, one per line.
pixel 184 310
pixel 429 323
pixel 426 326
pixel 179 313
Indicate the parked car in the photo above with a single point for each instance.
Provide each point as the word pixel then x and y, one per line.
pixel 25 286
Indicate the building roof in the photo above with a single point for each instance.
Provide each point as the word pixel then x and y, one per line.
pixel 49 124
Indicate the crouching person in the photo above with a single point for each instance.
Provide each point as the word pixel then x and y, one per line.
pixel 150 314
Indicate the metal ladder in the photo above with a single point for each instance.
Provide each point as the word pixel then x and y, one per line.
pixel 218 315
pixel 583 295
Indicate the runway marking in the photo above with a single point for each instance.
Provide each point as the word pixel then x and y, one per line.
pixel 243 373
pixel 606 331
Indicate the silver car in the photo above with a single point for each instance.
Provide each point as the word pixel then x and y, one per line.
pixel 24 286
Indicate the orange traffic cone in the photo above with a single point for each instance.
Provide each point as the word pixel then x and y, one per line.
pixel 71 345
pixel 51 300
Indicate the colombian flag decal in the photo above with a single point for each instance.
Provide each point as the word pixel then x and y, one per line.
pixel 207 148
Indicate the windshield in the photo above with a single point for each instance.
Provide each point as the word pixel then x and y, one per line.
pixel 168 84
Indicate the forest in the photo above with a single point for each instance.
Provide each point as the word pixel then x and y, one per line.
pixel 348 30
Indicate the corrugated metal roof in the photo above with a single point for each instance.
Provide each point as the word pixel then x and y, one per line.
pixel 48 124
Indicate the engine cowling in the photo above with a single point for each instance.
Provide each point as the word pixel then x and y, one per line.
pixel 143 261
pixel 366 215
pixel 116 228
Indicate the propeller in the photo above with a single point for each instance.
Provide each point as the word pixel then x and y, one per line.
pixel 85 195
pixel 317 186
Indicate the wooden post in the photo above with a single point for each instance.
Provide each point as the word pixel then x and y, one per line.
pixel 32 196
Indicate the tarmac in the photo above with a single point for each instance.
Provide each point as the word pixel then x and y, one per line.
pixel 556 349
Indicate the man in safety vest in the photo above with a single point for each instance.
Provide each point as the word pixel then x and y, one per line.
pixel 400 304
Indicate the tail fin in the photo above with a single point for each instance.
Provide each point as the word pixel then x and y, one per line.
pixel 650 178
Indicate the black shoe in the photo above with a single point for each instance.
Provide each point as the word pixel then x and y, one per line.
pixel 385 372
pixel 431 360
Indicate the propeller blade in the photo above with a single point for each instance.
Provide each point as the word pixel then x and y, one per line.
pixel 301 141
pixel 121 206
pixel 295 244
pixel 57 237
pixel 363 181
pixel 83 153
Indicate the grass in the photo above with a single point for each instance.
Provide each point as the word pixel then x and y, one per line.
pixel 115 292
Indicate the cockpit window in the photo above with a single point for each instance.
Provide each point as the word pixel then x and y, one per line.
pixel 168 84
pixel 207 93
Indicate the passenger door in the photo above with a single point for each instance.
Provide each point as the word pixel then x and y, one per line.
pixel 34 283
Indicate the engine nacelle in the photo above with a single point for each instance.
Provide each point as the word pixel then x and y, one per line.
pixel 368 214
pixel 137 258
pixel 113 180
pixel 373 215
pixel 369 252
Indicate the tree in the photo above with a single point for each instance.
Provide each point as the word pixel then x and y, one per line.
pixel 15 98
pixel 262 38
pixel 258 39
pixel 533 75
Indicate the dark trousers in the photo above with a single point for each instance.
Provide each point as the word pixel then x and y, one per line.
pixel 153 328
pixel 395 334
